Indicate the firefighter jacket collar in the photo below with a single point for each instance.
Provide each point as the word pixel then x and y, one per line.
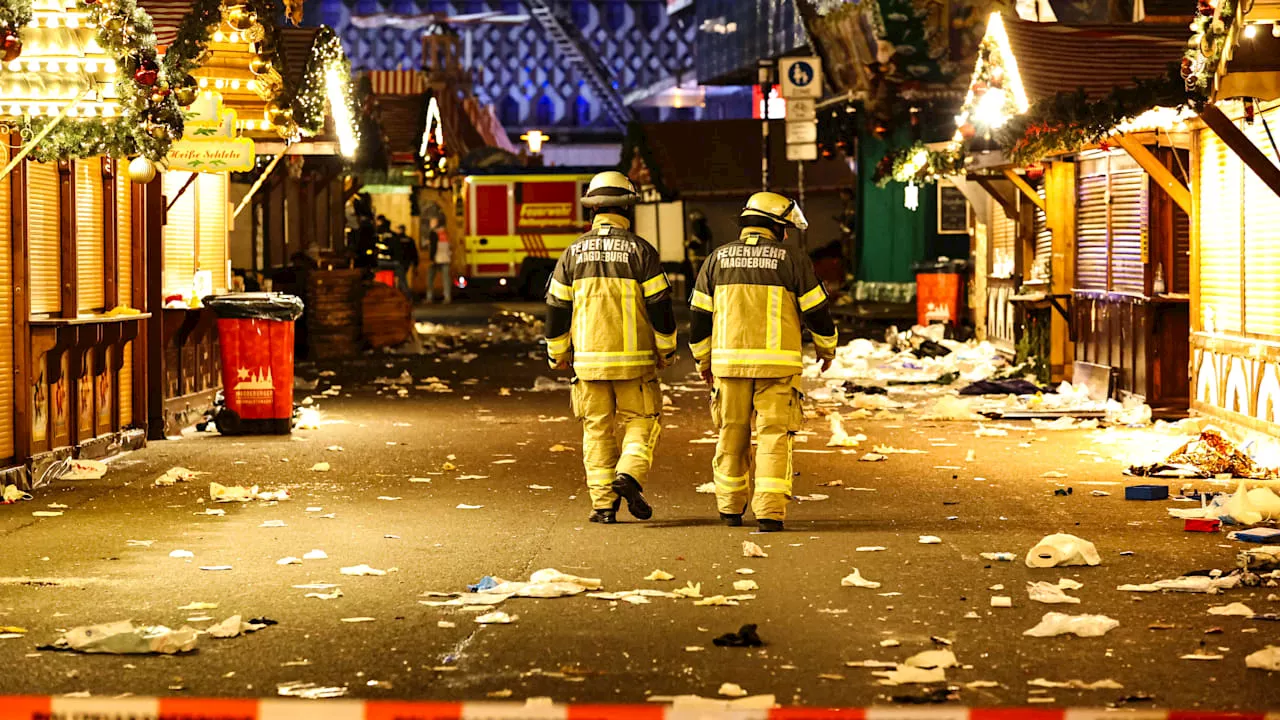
pixel 754 235
pixel 610 219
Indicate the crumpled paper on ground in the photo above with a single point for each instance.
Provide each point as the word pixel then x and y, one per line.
pixel 1267 658
pixel 855 579
pixel 1209 455
pixel 1049 594
pixel 84 469
pixel 543 584
pixel 176 475
pixel 233 627
pixel 239 493
pixel 1054 624
pixel 1188 583
pixel 1061 549
pixel 840 438
pixel 125 638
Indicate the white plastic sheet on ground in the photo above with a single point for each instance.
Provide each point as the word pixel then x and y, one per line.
pixel 1054 624
pixel 125 638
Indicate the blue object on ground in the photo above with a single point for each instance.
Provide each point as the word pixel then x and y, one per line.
pixel 1146 492
pixel 488 582
pixel 1257 535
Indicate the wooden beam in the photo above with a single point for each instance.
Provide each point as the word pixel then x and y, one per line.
pixel 1158 172
pixel 1239 143
pixel 1026 189
pixel 1007 202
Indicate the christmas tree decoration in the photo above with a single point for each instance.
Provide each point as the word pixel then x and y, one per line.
pixel 240 18
pixel 15 14
pixel 147 72
pixel 10 44
pixel 141 170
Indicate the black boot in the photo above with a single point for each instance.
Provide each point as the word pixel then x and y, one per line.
pixel 770 525
pixel 732 519
pixel 605 516
pixel 629 489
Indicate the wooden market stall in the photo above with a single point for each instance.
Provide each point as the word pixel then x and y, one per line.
pixel 270 103
pixel 1081 222
pixel 83 94
pixel 1235 332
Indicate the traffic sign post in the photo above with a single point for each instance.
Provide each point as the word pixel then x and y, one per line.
pixel 801 77
pixel 801 80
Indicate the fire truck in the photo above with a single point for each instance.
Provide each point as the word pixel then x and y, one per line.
pixel 518 225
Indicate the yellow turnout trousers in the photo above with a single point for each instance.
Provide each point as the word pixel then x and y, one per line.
pixel 776 406
pixel 603 406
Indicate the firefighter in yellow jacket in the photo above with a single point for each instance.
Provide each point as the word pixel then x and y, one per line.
pixel 610 317
pixel 748 305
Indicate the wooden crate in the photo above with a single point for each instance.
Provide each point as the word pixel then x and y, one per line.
pixel 333 312
pixel 386 315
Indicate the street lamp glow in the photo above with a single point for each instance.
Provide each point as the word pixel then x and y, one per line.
pixel 335 85
pixel 534 139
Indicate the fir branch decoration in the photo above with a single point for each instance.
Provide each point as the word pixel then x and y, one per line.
pixel 1069 121
pixel 1205 48
pixel 15 14
pixel 311 98
pixel 193 36
pixel 918 164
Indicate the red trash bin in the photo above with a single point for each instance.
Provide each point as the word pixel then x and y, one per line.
pixel 940 291
pixel 255 333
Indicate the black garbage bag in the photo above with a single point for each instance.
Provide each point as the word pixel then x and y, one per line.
pixel 745 637
pixel 255 306
pixel 1002 387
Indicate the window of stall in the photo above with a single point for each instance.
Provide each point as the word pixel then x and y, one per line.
pixel 1042 263
pixel 43 231
pixel 195 235
pixel 90 253
pixel 124 283
pixel 1004 242
pixel 1112 224
pixel 6 315
pixel 1239 238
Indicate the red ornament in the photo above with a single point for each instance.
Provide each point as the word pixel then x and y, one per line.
pixel 1186 68
pixel 1205 7
pixel 967 131
pixel 1035 171
pixel 1104 146
pixel 146 73
pixel 10 44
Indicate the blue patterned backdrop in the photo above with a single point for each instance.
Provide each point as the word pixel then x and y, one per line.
pixel 518 70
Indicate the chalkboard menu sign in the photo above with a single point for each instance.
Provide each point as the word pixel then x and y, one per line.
pixel 953 210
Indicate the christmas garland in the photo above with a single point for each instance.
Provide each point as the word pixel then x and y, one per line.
pixel 1069 121
pixel 149 121
pixel 918 164
pixel 1208 40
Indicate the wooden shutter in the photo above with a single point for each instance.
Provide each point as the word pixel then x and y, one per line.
pixel 212 227
pixel 1042 264
pixel 1181 280
pixel 1004 242
pixel 1091 226
pixel 124 251
pixel 1220 248
pixel 179 234
pixel 1261 240
pixel 89 250
pixel 1130 222
pixel 43 250
pixel 6 312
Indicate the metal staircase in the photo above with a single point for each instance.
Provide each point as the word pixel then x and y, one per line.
pixel 574 47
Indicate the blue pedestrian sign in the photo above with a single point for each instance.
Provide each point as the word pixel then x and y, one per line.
pixel 801 77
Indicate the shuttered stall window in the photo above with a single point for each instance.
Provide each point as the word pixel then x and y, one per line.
pixel 42 238
pixel 212 227
pixel 1261 240
pixel 1091 225
pixel 1042 265
pixel 1004 240
pixel 89 251
pixel 6 315
pixel 1130 218
pixel 1220 249
pixel 124 251
pixel 179 234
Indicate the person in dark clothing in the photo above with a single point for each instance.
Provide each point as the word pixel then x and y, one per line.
pixel 405 252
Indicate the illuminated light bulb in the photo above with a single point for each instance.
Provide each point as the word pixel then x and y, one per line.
pixel 1250 31
pixel 220 83
pixel 71 112
pixel 234 37
pixel 252 85
pixel 91 66
pixel 110 66
pixel 73 21
pixel 235 84
pixel 204 82
pixel 52 66
pixel 33 66
pixel 15 109
pixel 15 66
pixel 108 111
pixel 219 36
pixel 1275 30
pixel 90 111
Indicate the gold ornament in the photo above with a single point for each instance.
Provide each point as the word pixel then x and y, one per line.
pixel 259 66
pixel 141 170
pixel 185 95
pixel 159 132
pixel 241 18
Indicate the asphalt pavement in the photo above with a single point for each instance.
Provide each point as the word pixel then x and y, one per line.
pixel 391 501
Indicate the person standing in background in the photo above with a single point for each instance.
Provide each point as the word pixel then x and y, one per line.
pixel 439 256
pixel 406 255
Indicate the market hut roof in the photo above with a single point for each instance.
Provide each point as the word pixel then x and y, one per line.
pixel 1054 58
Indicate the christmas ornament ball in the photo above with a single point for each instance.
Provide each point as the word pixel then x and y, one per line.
pixel 141 170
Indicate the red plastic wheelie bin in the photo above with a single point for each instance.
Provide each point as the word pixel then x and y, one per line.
pixel 255 332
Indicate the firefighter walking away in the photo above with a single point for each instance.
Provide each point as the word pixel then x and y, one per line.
pixel 748 305
pixel 610 318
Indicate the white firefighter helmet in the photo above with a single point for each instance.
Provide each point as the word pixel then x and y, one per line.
pixel 610 189
pixel 776 208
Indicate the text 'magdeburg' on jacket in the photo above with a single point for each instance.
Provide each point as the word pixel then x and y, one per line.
pixel 747 309
pixel 609 304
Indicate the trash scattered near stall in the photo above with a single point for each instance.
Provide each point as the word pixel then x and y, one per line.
pixel 125 638
pixel 1053 624
pixel 1060 549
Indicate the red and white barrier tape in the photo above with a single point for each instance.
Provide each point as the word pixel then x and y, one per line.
pixel 57 708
